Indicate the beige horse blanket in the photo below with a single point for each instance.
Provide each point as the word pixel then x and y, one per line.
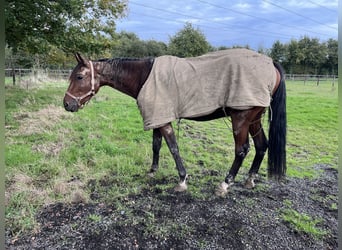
pixel 192 87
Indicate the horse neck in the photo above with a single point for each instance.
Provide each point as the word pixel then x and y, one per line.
pixel 125 75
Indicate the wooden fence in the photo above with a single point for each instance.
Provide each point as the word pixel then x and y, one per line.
pixel 312 78
pixel 18 76
pixel 31 76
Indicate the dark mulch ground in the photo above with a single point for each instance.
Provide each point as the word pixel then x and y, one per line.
pixel 165 220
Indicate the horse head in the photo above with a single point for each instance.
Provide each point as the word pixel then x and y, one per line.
pixel 84 84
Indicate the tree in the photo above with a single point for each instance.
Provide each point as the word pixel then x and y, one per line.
pixel 332 56
pixel 307 55
pixel 263 50
pixel 129 45
pixel 278 52
pixel 313 54
pixel 222 48
pixel 154 48
pixel 291 56
pixel 70 25
pixel 188 42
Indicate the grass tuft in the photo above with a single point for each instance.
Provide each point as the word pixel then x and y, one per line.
pixel 303 223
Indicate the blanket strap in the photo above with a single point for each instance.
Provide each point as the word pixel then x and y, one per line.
pixel 227 117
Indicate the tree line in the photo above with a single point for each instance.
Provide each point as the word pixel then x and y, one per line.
pixel 49 37
pixel 307 55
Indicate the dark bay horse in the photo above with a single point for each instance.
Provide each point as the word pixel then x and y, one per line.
pixel 129 76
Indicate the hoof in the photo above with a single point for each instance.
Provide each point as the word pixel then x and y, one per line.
pixel 222 189
pixel 182 186
pixel 150 174
pixel 249 184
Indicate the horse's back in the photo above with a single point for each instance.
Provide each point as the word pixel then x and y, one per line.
pixel 198 86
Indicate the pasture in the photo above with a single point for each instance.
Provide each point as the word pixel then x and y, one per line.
pixel 84 174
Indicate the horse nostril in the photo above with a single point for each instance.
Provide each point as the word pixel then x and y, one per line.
pixel 70 106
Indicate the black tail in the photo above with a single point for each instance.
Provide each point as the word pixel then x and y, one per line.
pixel 277 130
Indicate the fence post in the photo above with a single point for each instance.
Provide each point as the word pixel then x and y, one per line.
pixel 333 83
pixel 13 75
pixel 19 76
pixel 317 80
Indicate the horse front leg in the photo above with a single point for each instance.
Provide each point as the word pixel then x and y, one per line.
pixel 156 145
pixel 170 138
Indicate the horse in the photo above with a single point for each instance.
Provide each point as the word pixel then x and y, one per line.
pixel 129 76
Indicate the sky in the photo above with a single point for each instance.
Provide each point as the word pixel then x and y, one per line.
pixel 257 23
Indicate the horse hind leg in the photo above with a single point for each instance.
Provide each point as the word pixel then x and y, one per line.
pixel 156 145
pixel 260 143
pixel 240 130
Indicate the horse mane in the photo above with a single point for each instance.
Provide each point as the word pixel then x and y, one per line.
pixel 115 67
pixel 118 60
pixel 117 63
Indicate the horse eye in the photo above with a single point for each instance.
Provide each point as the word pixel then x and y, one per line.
pixel 79 77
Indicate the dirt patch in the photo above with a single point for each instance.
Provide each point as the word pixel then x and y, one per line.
pixel 21 183
pixel 165 220
pixel 40 121
pixel 49 149
pixel 72 190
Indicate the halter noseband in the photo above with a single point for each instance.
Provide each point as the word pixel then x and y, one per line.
pixel 91 92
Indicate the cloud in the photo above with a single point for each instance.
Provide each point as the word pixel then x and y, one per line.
pixel 242 6
pixel 234 22
pixel 189 20
pixel 312 4
pixel 222 19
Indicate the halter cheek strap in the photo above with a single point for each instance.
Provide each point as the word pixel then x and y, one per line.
pixel 91 92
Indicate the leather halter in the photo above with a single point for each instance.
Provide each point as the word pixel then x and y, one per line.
pixel 91 92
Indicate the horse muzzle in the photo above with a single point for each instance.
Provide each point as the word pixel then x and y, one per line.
pixel 71 106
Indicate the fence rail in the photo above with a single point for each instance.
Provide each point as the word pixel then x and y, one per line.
pixel 304 77
pixel 53 73
pixel 39 75
pixel 32 77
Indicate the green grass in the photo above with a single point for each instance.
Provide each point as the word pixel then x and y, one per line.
pixel 303 223
pixel 312 127
pixel 53 155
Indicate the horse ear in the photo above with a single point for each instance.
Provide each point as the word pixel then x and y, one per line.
pixel 81 59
